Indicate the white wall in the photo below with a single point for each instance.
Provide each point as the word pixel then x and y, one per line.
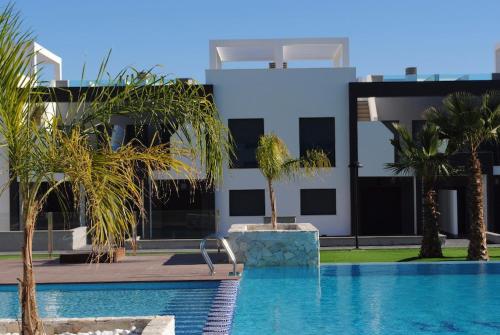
pixel 404 109
pixel 448 204
pixel 374 149
pixel 281 96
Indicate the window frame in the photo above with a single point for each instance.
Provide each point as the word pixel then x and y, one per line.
pixel 316 212
pixel 261 209
pixel 302 149
pixel 236 163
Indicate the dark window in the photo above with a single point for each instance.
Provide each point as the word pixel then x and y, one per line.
pixel 246 134
pixel 62 206
pixel 247 203
pixel 181 210
pixel 493 148
pixel 160 134
pixel 318 133
pixel 136 133
pixel 318 202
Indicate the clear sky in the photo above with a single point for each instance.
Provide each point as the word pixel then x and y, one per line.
pixel 437 36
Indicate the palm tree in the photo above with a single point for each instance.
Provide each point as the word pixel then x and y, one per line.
pixel 275 163
pixel 39 143
pixel 423 158
pixel 467 121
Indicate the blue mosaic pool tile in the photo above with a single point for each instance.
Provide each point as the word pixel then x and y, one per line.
pixel 220 317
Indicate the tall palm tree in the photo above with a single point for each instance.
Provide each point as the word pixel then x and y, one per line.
pixel 39 143
pixel 423 157
pixel 467 121
pixel 275 163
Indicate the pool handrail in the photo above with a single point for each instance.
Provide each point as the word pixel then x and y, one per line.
pixel 221 241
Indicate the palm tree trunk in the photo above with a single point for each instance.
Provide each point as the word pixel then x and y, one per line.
pixel 431 245
pixel 31 323
pixel 272 196
pixel 478 248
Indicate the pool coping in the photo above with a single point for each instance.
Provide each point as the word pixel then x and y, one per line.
pixel 91 324
pixel 132 269
pixel 129 281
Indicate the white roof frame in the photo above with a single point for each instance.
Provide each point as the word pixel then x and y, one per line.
pixel 45 56
pixel 279 50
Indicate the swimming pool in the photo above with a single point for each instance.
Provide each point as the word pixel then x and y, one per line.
pixel 190 302
pixel 377 299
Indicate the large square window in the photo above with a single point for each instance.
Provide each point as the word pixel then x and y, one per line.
pixel 247 203
pixel 318 202
pixel 246 134
pixel 318 133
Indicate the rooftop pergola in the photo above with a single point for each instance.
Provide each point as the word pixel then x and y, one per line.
pixel 43 56
pixel 279 51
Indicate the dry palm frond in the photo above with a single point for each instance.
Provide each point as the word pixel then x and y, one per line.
pixel 275 162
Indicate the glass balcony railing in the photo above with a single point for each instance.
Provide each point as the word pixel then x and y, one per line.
pixel 182 223
pixel 429 77
pixel 99 83
pixel 61 221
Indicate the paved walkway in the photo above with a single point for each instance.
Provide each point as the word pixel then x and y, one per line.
pixel 132 269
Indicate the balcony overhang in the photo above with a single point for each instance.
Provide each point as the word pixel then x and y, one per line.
pixel 280 51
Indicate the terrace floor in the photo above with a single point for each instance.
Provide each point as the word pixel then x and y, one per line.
pixel 178 267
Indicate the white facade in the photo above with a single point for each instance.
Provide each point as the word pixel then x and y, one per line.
pixel 281 97
pixel 374 149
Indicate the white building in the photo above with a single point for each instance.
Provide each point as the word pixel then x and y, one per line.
pixel 306 92
pixel 306 107
pixel 43 60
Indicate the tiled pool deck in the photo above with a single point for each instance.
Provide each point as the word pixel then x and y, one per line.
pixel 173 267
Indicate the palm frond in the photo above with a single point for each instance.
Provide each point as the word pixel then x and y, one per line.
pixel 468 120
pixel 72 140
pixel 425 156
pixel 275 162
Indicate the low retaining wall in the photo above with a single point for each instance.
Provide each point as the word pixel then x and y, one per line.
pixel 493 237
pixel 259 245
pixel 150 325
pixel 173 244
pixel 330 241
pixel 349 241
pixel 62 240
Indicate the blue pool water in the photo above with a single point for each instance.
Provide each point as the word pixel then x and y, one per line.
pixel 378 299
pixel 190 302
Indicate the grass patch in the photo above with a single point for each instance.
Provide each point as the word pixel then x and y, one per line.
pixel 35 256
pixel 343 255
pixel 396 255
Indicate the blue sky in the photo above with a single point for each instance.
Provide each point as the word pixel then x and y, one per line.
pixel 438 36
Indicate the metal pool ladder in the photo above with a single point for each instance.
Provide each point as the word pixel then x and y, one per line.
pixel 221 241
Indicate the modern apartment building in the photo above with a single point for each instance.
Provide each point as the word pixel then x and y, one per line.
pixel 306 92
pixel 307 107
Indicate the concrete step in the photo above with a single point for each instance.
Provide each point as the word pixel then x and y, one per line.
pixel 349 241
pixel 363 111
